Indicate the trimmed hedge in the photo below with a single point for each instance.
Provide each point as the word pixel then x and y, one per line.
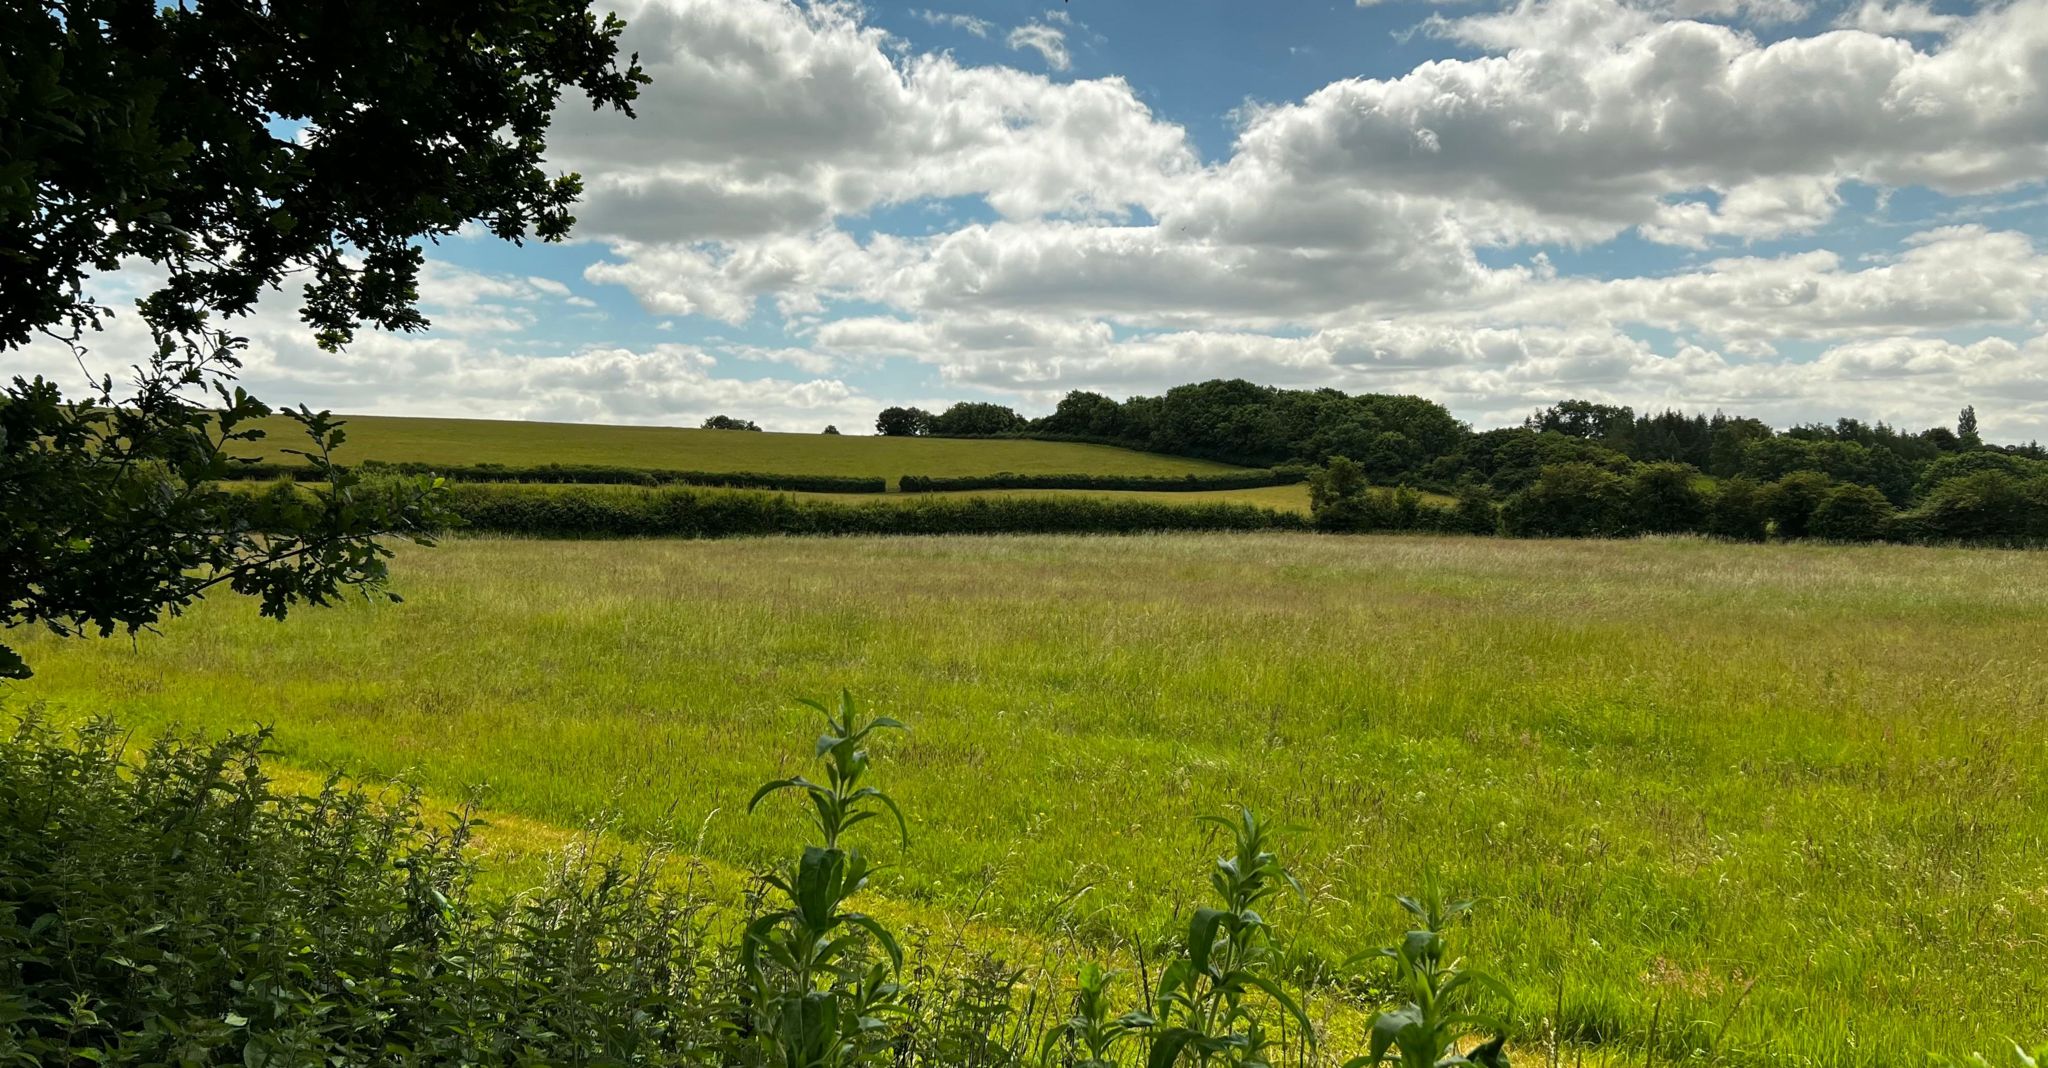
pixel 590 474
pixel 1229 480
pixel 681 512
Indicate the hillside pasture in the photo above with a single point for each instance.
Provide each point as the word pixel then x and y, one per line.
pixel 396 439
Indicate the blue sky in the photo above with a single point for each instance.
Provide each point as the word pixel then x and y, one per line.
pixel 1792 208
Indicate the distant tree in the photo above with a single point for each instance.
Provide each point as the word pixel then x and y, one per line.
pixel 1612 425
pixel 1986 505
pixel 233 147
pixel 1084 414
pixel 1790 502
pixel 1664 498
pixel 726 422
pixel 1851 512
pixel 1476 512
pixel 1735 509
pixel 1673 436
pixel 1957 464
pixel 1337 495
pixel 1728 443
pixel 974 419
pixel 1511 458
pixel 1573 500
pixel 903 422
pixel 830 429
pixel 1966 428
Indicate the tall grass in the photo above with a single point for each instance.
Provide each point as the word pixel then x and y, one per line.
pixel 1787 804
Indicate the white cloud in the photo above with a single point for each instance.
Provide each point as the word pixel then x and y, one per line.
pixel 1589 117
pixel 1020 235
pixel 979 27
pixel 1902 18
pixel 1049 42
pixel 765 118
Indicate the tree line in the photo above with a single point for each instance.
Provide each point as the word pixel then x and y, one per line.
pixel 1575 468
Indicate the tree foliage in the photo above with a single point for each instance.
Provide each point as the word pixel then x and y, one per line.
pixel 225 148
pixel 903 422
pixel 976 419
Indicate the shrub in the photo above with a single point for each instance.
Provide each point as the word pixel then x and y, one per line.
pixel 1736 510
pixel 726 422
pixel 1664 498
pixel 1475 512
pixel 1990 505
pixel 1957 464
pixel 1852 513
pixel 1336 495
pixel 1574 500
pixel 178 910
pixel 1790 501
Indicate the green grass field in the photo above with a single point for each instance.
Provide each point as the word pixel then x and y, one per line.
pixel 1676 771
pixel 477 441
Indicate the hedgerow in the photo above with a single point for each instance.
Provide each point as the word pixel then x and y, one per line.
pixel 584 474
pixel 606 511
pixel 1229 480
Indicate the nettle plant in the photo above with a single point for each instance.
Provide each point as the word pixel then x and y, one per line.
pixel 1209 1006
pixel 816 993
pixel 822 981
pixel 1091 1037
pixel 1444 997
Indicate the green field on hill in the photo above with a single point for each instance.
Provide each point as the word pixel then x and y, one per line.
pixel 1789 798
pixel 397 439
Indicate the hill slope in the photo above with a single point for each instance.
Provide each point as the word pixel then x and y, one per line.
pixel 476 441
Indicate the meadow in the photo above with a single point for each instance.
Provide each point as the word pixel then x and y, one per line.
pixel 480 441
pixel 1780 804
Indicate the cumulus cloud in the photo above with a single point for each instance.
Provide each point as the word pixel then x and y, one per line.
pixel 1901 19
pixel 1345 236
pixel 489 371
pixel 766 118
pixel 1407 232
pixel 1590 117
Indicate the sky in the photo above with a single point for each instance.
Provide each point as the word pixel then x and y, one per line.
pixel 1793 209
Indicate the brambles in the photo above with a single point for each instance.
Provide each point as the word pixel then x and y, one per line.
pixel 178 908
